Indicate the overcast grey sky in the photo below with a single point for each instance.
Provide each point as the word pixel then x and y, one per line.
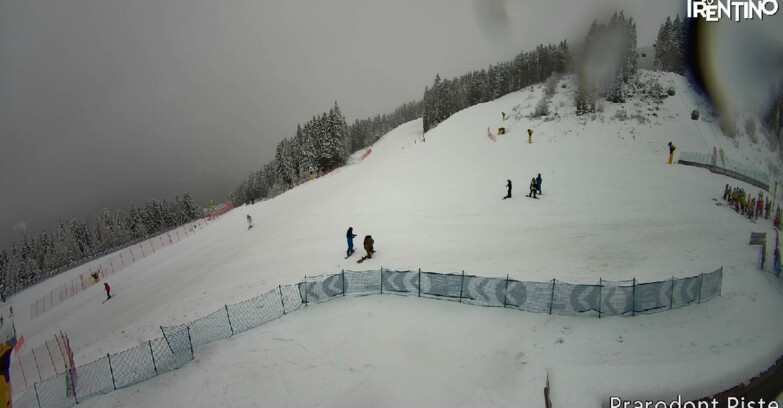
pixel 104 102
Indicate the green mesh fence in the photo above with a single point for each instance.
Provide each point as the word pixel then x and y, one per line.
pixel 175 349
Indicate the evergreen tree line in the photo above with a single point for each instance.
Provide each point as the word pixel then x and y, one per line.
pixel 672 55
pixel 671 46
pixel 320 145
pixel 41 256
pixel 446 97
pixel 608 63
pixel 773 119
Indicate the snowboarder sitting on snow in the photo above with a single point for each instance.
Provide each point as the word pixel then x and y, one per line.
pixel 533 188
pixel 107 288
pixel 350 236
pixel 368 246
pixel 538 183
pixel 249 222
pixel 508 185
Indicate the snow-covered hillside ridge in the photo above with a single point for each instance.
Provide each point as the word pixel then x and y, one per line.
pixel 611 209
pixel 669 114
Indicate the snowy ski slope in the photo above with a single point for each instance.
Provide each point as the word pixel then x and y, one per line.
pixel 611 209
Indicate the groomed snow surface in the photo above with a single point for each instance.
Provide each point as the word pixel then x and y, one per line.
pixel 612 208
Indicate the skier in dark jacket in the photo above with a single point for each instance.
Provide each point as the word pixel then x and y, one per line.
pixel 672 148
pixel 368 246
pixel 508 185
pixel 538 183
pixel 350 236
pixel 107 288
pixel 533 188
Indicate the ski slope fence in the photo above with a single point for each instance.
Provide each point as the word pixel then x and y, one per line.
pixel 111 264
pixel 175 348
pixel 726 166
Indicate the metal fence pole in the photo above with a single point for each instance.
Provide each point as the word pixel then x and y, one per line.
pixel 282 301
pixel 633 298
pixel 191 343
pixel 35 359
pixel 505 293
pixel 419 282
pixel 600 297
pixel 461 285
pixel 230 326
pixel 46 343
pixel 343 276
pixel 111 370
pixel 24 377
pixel 671 300
pixel 166 338
pixel 381 275
pixel 154 364
pixel 552 299
pixel 701 283
pixel 306 289
pixel 37 399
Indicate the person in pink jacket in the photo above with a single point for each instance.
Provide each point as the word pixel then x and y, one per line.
pixel 108 290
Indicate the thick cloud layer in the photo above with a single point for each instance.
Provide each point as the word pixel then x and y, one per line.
pixel 103 102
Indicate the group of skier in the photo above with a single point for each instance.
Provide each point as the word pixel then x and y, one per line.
pixel 752 207
pixel 368 245
pixel 535 187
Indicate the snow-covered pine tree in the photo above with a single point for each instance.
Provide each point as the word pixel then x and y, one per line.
pixel 84 238
pixel 104 233
pixel 192 209
pixel 631 55
pixel 136 224
pixel 152 217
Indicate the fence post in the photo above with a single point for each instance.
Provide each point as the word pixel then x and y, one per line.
pixel 600 297
pixel 191 343
pixel 381 276
pixel 701 283
pixel 419 282
pixel 37 399
pixel 166 338
pixel 230 326
pixel 35 359
pixel 505 294
pixel 671 300
pixel 282 301
pixel 343 274
pixel 633 298
pixel 154 364
pixel 552 299
pixel 461 284
pixel 142 251
pixel 24 377
pixel 306 288
pixel 111 370
pixel 46 343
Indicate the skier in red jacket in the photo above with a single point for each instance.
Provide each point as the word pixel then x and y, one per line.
pixel 108 290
